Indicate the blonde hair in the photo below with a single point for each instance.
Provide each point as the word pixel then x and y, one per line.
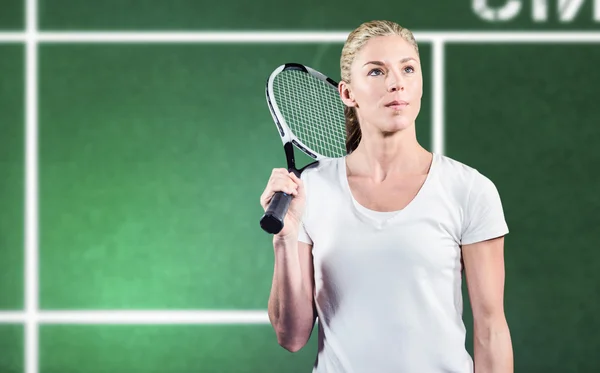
pixel 354 43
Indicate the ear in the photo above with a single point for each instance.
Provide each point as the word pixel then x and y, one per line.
pixel 346 94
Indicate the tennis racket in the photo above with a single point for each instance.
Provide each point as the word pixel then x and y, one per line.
pixel 309 116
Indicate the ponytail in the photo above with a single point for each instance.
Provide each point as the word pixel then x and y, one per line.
pixel 353 134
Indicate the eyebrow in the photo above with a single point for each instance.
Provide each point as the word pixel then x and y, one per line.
pixel 379 63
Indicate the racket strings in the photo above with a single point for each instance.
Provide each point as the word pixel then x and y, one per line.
pixel 313 110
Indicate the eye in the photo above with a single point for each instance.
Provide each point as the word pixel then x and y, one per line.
pixel 409 69
pixel 375 72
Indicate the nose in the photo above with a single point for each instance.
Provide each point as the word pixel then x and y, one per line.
pixel 396 87
pixel 395 83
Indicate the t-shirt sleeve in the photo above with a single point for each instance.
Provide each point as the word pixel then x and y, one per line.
pixel 303 235
pixel 484 215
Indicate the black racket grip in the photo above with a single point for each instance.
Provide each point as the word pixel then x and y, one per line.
pixel 272 220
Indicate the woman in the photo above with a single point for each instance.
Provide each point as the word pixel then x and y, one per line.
pixel 375 242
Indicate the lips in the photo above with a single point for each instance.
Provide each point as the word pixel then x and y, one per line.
pixel 396 104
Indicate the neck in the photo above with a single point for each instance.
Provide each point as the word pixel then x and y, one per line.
pixel 380 155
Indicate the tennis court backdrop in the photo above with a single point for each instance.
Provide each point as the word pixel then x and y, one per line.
pixel 135 143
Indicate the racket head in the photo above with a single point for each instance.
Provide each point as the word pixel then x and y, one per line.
pixel 308 111
pixel 309 115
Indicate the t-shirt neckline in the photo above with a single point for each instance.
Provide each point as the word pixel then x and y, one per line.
pixel 386 217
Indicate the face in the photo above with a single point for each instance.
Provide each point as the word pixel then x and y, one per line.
pixel 386 84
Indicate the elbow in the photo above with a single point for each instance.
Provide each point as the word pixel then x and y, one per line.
pixel 292 332
pixel 489 326
pixel 291 344
pixel 489 317
pixel 292 339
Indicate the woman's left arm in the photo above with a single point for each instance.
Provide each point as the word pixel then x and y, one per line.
pixel 484 269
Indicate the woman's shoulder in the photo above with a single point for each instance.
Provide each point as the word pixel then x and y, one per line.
pixel 452 169
pixel 327 168
pixel 476 196
pixel 462 178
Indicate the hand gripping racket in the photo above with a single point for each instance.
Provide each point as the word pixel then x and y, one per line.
pixel 309 115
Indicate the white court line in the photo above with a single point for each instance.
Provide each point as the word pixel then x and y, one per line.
pixel 31 355
pixel 301 37
pixel 438 136
pixel 13 317
pixel 13 37
pixel 139 317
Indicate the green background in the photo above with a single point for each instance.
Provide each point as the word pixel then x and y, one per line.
pixel 11 348
pixel 12 169
pixel 12 15
pixel 167 349
pixel 535 133
pixel 229 15
pixel 153 156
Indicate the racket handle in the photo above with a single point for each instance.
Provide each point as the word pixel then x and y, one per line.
pixel 272 220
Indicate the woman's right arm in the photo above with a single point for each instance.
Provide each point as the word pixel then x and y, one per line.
pixel 291 307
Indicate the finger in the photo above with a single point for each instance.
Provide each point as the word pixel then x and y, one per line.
pixel 297 181
pixel 279 171
pixel 281 177
pixel 281 185
pixel 294 177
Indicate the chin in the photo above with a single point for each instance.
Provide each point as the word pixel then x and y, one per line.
pixel 396 124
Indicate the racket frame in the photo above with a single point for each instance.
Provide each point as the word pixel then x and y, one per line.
pixel 272 221
pixel 287 136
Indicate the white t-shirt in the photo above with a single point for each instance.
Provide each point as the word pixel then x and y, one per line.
pixel 388 284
